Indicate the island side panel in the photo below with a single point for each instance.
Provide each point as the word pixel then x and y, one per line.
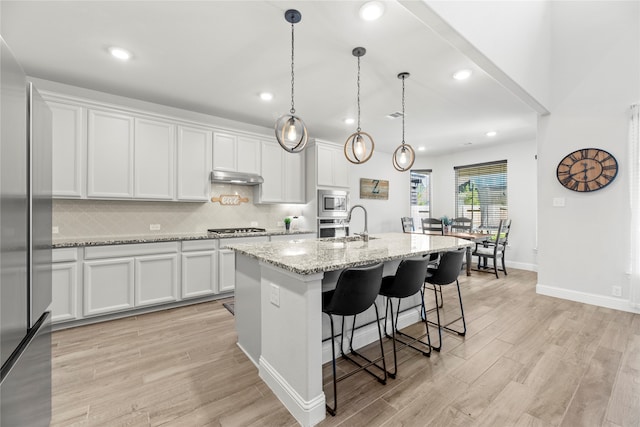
pixel 291 359
pixel 247 306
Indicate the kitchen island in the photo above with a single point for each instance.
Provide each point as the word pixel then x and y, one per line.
pixel 278 300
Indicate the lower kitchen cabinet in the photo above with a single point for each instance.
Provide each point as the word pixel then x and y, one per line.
pixel 156 279
pixel 64 290
pixel 108 285
pixel 199 268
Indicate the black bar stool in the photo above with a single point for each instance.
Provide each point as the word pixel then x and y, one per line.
pixel 356 291
pixel 447 273
pixel 407 281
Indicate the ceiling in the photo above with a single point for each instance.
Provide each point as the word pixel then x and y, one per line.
pixel 215 57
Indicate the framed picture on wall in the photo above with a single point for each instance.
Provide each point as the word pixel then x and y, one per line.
pixel 374 189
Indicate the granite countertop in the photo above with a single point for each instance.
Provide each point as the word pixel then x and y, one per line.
pixel 156 238
pixel 314 256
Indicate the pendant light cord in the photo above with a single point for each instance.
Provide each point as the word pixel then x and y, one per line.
pixel 402 110
pixel 358 94
pixel 293 110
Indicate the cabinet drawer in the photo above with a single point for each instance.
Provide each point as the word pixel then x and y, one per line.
pixel 200 245
pixel 64 255
pixel 97 252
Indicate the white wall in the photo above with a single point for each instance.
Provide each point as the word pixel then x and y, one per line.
pixel 595 77
pixel 521 181
pixel 384 215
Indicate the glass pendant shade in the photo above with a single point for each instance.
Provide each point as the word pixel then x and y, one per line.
pixel 291 132
pixel 404 155
pixel 359 146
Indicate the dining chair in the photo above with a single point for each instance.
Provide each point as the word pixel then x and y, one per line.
pixel 462 224
pixel 407 281
pixel 355 292
pixel 447 273
pixel 407 224
pixel 432 224
pixel 494 248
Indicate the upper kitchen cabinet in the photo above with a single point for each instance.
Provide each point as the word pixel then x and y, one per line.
pixel 236 153
pixel 154 159
pixel 110 151
pixel 332 167
pixel 68 165
pixel 194 164
pixel 283 174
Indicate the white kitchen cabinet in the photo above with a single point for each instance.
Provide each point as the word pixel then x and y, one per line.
pixel 227 277
pixel 227 261
pixel 283 174
pixel 294 182
pixel 154 159
pixel 199 268
pixel 156 279
pixel 272 171
pixel 108 285
pixel 64 285
pixel 194 164
pixel 236 153
pixel 110 151
pixel 248 155
pixel 68 164
pixel 224 152
pixel 332 167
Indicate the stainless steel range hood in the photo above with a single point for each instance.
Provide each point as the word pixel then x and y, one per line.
pixel 238 178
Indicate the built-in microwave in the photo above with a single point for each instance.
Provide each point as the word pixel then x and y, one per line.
pixel 333 204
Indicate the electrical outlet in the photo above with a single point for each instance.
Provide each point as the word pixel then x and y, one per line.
pixel 154 227
pixel 616 291
pixel 55 230
pixel 275 295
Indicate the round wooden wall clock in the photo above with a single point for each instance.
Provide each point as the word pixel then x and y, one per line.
pixel 587 169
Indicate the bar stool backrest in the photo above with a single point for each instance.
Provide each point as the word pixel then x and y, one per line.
pixel 409 277
pixel 448 268
pixel 356 290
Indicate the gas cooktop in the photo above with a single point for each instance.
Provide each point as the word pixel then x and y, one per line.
pixel 236 230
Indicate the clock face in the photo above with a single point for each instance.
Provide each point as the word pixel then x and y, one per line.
pixel 588 169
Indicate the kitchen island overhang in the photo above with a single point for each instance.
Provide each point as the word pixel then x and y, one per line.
pixel 278 305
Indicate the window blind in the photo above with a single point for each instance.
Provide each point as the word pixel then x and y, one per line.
pixel 481 193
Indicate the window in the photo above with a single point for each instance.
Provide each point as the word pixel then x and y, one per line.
pixel 420 197
pixel 481 193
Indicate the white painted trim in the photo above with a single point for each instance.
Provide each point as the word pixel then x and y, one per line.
pixel 586 298
pixel 521 266
pixel 306 412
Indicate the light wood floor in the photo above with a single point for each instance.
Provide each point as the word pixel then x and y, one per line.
pixel 527 360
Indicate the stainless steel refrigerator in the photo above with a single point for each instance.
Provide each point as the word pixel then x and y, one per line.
pixel 25 249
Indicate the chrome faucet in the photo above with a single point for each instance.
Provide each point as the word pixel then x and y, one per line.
pixel 365 233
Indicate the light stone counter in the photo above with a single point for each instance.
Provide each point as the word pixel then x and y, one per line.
pixel 278 300
pixel 159 237
pixel 320 255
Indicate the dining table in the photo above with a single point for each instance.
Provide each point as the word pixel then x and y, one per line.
pixel 474 237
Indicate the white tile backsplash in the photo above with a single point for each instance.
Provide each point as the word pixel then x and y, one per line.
pixel 92 218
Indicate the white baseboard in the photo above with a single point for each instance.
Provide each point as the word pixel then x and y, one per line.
pixel 521 266
pixel 586 298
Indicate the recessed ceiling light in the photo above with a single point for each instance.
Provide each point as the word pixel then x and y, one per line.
pixel 462 74
pixel 266 96
pixel 349 121
pixel 371 11
pixel 421 148
pixel 120 53
pixel 491 133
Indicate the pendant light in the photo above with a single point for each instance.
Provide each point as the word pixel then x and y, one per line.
pixel 359 146
pixel 291 132
pixel 404 156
